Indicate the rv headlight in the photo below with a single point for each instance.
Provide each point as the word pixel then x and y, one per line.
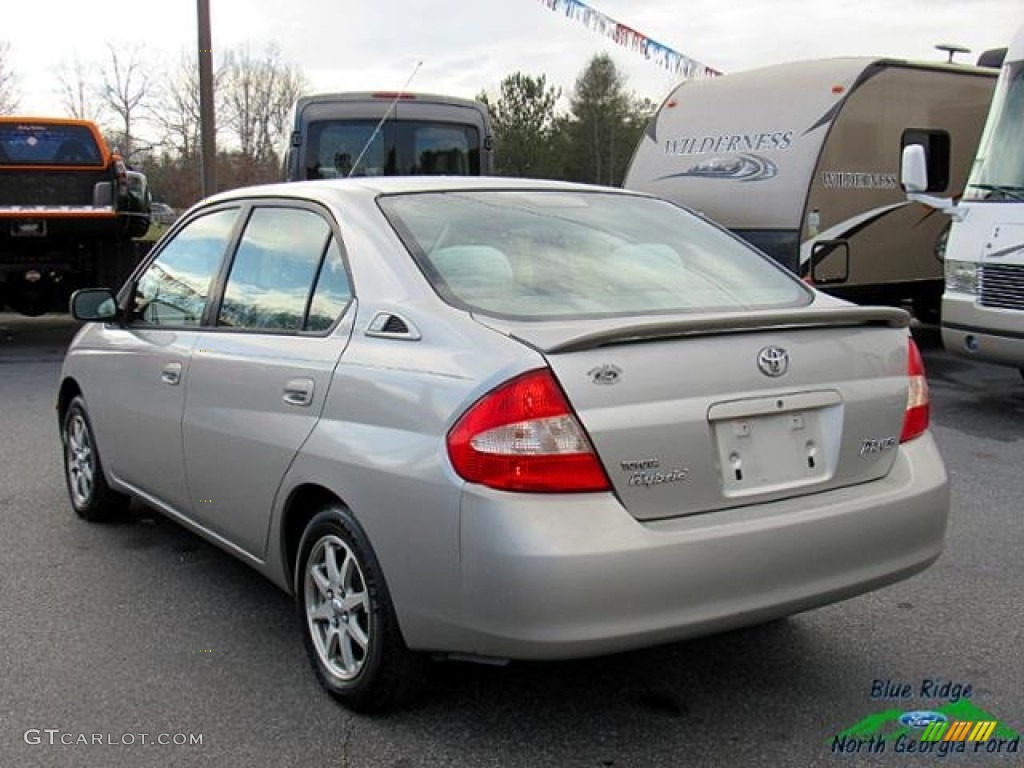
pixel 961 277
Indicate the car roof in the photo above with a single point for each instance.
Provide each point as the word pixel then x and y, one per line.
pixel 367 186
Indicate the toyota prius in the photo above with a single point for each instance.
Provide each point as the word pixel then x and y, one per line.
pixel 494 419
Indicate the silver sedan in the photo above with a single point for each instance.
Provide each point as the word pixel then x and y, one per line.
pixel 490 419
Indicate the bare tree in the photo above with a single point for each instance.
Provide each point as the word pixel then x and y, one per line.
pixel 8 81
pixel 258 93
pixel 81 98
pixel 127 84
pixel 176 110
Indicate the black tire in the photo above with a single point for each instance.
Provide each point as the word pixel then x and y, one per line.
pixel 928 308
pixel 929 315
pixel 31 300
pixel 91 497
pixel 348 621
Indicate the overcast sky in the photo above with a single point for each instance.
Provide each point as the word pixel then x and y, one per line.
pixel 469 45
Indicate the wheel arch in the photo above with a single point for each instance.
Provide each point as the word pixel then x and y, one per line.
pixel 69 390
pixel 302 504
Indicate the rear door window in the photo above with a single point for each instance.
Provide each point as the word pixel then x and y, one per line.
pixel 287 274
pixel 32 143
pixel 333 291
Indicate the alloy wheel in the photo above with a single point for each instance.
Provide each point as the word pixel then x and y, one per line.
pixel 81 460
pixel 337 607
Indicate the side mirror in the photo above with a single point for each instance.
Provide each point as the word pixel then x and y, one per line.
pixel 93 304
pixel 137 185
pixel 914 178
pixel 914 169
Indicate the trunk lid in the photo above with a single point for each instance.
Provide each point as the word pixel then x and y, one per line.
pixel 692 415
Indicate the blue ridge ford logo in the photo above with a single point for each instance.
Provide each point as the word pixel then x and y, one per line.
pixel 922 718
pixel 773 361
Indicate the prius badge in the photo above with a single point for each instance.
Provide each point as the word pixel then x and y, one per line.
pixel 773 361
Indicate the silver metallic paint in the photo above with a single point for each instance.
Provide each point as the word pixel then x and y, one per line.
pixel 476 571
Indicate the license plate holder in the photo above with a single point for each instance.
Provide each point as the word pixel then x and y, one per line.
pixel 28 228
pixel 772 444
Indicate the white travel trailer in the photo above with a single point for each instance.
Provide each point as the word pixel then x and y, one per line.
pixel 802 160
pixel 983 305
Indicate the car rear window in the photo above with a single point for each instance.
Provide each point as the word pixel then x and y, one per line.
pixel 568 254
pixel 32 143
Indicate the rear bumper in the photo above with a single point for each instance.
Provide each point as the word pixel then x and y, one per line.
pixel 560 577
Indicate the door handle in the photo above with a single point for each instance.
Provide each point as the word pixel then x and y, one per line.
pixel 298 392
pixel 171 374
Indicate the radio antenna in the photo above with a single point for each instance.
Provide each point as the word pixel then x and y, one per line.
pixel 391 108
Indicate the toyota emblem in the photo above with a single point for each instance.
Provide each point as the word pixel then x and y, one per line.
pixel 773 361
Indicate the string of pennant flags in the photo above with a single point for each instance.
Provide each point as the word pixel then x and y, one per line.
pixel 677 63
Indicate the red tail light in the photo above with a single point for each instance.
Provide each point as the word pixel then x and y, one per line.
pixel 523 436
pixel 915 421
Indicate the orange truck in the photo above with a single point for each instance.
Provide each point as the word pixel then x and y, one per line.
pixel 68 210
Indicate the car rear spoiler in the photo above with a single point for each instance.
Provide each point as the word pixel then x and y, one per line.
pixel 621 331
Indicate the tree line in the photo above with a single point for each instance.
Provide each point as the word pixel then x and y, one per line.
pixel 152 117
pixel 592 142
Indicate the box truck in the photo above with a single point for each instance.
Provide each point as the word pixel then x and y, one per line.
pixel 983 303
pixel 334 135
pixel 802 159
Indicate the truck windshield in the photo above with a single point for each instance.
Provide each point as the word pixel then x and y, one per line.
pixel 998 172
pixel 399 148
pixel 32 143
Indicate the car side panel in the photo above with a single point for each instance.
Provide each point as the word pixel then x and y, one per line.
pixel 380 448
pixel 135 407
pixel 240 434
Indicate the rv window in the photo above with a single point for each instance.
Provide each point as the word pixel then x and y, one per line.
pixel 334 148
pixel 783 245
pixel 398 148
pixel 937 151
pixel 441 149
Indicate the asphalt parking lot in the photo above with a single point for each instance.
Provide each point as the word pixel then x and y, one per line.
pixel 140 632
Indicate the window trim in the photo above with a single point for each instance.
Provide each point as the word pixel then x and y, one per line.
pixel 249 205
pixel 245 207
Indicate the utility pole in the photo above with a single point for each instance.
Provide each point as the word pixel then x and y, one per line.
pixel 207 135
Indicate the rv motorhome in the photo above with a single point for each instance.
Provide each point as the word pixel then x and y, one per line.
pixel 983 305
pixel 802 160
pixel 334 135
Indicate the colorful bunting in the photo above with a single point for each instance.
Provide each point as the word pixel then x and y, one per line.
pixel 673 61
